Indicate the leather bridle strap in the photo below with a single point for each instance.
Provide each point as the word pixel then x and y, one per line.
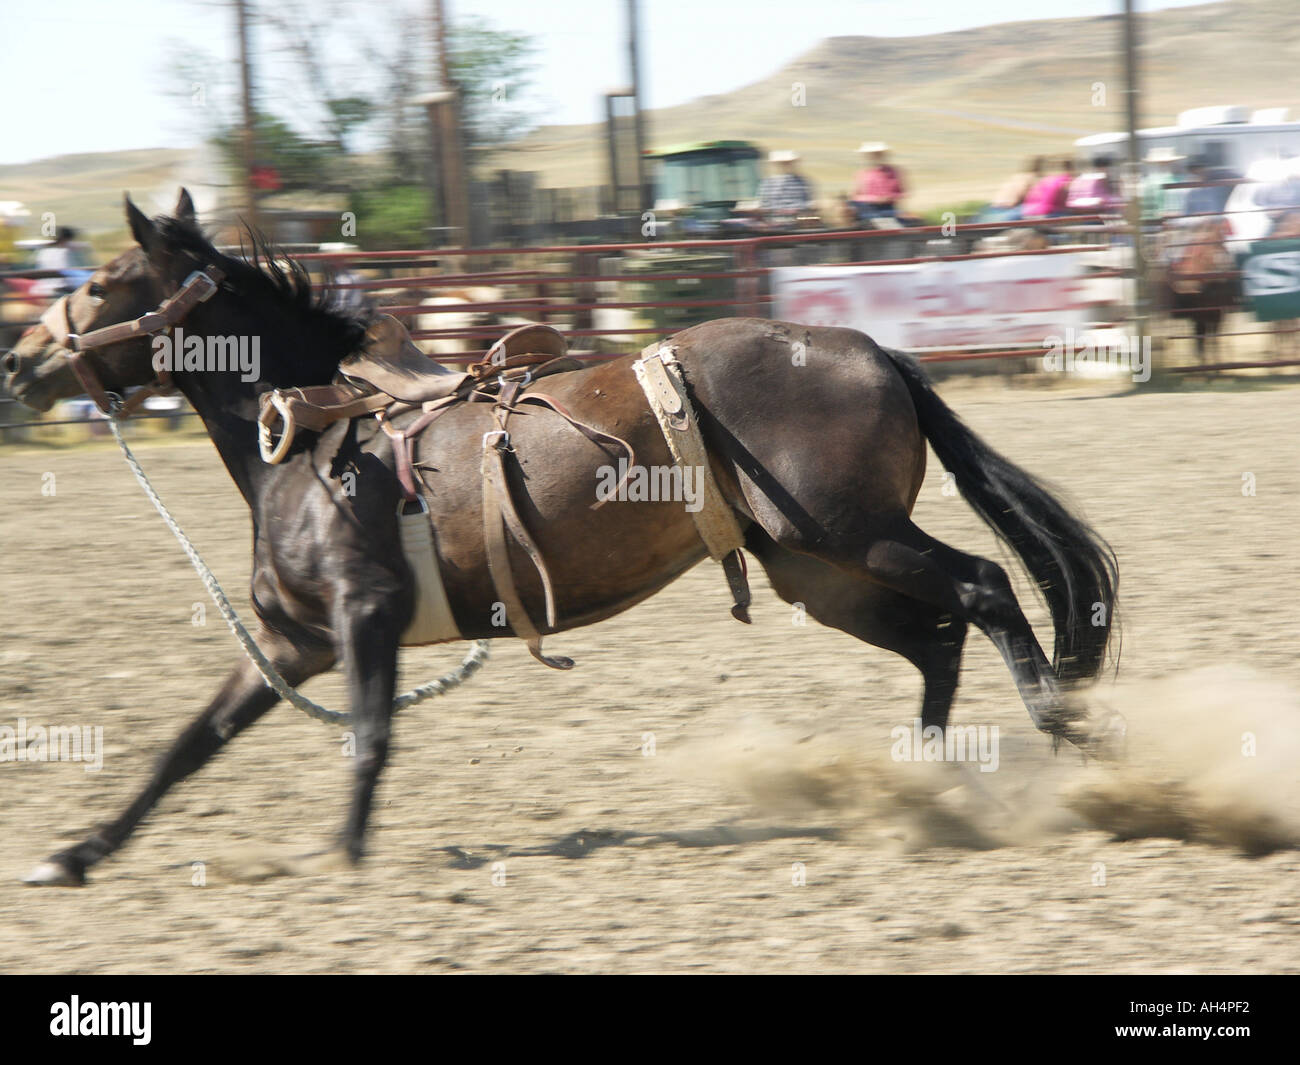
pixel 90 382
pixel 58 320
pixel 197 288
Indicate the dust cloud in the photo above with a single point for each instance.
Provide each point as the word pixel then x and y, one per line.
pixel 1213 756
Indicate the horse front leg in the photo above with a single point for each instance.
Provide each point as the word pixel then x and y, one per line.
pixel 241 701
pixel 369 639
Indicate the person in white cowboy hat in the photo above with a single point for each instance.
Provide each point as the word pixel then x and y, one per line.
pixel 1162 169
pixel 785 194
pixel 878 186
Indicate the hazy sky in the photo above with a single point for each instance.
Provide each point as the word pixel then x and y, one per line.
pixel 95 75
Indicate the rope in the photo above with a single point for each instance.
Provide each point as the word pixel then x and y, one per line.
pixel 478 653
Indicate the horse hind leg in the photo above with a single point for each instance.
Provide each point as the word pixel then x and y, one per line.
pixel 969 588
pixel 930 638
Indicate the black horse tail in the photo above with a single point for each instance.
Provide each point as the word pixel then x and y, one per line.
pixel 1075 569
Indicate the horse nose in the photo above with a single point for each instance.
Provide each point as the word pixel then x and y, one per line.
pixel 9 363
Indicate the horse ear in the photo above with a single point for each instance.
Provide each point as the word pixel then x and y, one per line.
pixel 185 208
pixel 142 229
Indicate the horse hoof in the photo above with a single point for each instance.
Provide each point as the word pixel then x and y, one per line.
pixel 54 874
pixel 1109 741
pixel 330 861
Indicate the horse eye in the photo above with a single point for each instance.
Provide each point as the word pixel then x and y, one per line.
pixel 96 291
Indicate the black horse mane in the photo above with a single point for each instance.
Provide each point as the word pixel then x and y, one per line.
pixel 318 333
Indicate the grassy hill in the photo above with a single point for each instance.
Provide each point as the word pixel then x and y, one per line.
pixel 85 191
pixel 961 109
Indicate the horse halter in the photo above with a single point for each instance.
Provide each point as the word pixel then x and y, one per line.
pixel 199 287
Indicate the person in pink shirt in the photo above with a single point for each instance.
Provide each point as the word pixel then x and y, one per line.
pixel 1048 196
pixel 1093 191
pixel 878 186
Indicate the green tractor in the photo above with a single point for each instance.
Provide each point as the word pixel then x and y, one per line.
pixel 701 187
pixel 701 190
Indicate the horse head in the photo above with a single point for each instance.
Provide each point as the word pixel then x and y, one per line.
pixel 301 336
pixel 38 370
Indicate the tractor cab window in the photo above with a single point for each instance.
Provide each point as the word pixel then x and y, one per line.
pixel 709 177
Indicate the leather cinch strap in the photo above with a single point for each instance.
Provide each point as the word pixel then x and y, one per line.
pixel 660 377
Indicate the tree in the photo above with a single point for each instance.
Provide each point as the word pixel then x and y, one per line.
pixel 385 68
pixel 494 71
pixel 336 79
pixel 295 161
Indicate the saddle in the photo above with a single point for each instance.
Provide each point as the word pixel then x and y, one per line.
pixel 390 376
pixel 390 363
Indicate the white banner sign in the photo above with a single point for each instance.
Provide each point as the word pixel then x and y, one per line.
pixel 1015 300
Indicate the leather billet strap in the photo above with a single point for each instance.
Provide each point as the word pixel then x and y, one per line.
pixel 737 574
pixel 499 514
pixel 404 440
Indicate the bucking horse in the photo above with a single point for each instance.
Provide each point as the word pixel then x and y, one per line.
pixel 815 438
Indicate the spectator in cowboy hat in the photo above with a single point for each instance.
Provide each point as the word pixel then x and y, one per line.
pixel 878 187
pixel 785 194
pixel 1157 201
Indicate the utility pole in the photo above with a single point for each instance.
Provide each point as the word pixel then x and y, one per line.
pixel 248 141
pixel 1141 308
pixel 639 124
pixel 443 107
pixel 440 71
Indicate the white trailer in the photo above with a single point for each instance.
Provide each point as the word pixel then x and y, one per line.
pixel 1230 137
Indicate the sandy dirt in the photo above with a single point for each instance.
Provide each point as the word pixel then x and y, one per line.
pixel 694 796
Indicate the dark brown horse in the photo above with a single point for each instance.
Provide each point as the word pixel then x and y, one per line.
pixel 816 436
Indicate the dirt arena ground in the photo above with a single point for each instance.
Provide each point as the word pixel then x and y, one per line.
pixel 694 796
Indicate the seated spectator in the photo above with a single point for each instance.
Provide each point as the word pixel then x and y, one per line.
pixel 1162 169
pixel 1047 198
pixel 1007 204
pixel 1210 199
pixel 64 253
pixel 786 194
pixel 878 187
pixel 1093 191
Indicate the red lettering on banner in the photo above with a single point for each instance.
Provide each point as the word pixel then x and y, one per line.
pixel 821 307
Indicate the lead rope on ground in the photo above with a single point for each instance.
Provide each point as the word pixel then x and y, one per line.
pixel 478 652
